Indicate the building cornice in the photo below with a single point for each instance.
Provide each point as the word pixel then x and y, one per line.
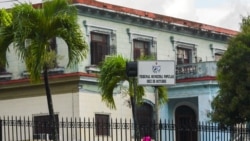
pixel 59 84
pixel 60 78
pixel 144 18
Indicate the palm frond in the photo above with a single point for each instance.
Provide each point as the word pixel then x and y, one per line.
pixel 77 47
pixel 25 19
pixel 112 71
pixel 163 95
pixel 140 92
pixel 5 18
pixel 6 38
pixel 36 59
pixel 55 18
pixel 6 35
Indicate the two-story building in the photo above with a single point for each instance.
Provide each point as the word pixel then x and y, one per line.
pixel 112 30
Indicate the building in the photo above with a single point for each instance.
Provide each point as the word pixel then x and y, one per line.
pixel 110 30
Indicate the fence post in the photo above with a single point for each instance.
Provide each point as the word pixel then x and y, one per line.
pixel 1 133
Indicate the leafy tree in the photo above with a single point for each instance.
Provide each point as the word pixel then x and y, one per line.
pixel 232 104
pixel 112 72
pixel 41 26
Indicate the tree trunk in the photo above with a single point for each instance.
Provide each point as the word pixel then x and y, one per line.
pixel 133 105
pixel 53 122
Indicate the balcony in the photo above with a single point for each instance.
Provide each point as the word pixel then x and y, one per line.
pixel 196 70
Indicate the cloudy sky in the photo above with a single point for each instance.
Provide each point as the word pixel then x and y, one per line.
pixel 222 13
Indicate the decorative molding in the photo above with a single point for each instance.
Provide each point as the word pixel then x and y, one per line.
pixel 99 29
pixel 170 27
pixel 57 70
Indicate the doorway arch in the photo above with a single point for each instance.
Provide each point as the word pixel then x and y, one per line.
pixel 145 118
pixel 186 124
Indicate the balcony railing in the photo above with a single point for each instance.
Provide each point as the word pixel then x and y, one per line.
pixel 196 70
pixel 183 71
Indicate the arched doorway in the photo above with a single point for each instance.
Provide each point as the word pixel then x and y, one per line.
pixel 145 119
pixel 186 124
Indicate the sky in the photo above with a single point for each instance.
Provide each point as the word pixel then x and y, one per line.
pixel 221 13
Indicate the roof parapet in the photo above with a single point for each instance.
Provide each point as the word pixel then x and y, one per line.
pixel 158 17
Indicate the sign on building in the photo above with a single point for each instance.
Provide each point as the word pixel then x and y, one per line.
pixel 156 73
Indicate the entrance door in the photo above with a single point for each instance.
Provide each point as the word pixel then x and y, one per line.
pixel 145 120
pixel 186 124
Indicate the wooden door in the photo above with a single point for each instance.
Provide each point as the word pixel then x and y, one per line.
pixel 145 120
pixel 186 124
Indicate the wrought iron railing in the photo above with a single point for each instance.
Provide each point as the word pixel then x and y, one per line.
pixel 25 129
pixel 195 70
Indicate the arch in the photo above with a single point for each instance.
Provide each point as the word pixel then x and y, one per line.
pixel 145 119
pixel 148 102
pixel 189 104
pixel 185 121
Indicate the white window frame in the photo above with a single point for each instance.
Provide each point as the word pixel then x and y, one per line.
pixel 133 35
pixel 188 46
pixel 215 50
pixel 111 32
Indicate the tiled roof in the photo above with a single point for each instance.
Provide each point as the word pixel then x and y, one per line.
pixel 157 17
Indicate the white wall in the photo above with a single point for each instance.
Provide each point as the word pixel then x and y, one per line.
pixel 36 106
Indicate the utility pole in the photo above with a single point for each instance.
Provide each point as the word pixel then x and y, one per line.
pixel 156 113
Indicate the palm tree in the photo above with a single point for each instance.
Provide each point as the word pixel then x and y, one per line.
pixel 41 26
pixel 6 22
pixel 112 72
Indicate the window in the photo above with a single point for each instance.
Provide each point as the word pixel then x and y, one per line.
pixel 102 124
pixel 141 48
pixel 53 67
pixel 184 55
pixel 99 47
pixel 102 43
pixel 217 56
pixel 42 127
pixel 218 53
pixel 143 45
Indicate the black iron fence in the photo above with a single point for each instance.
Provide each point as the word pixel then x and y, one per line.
pixel 26 129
